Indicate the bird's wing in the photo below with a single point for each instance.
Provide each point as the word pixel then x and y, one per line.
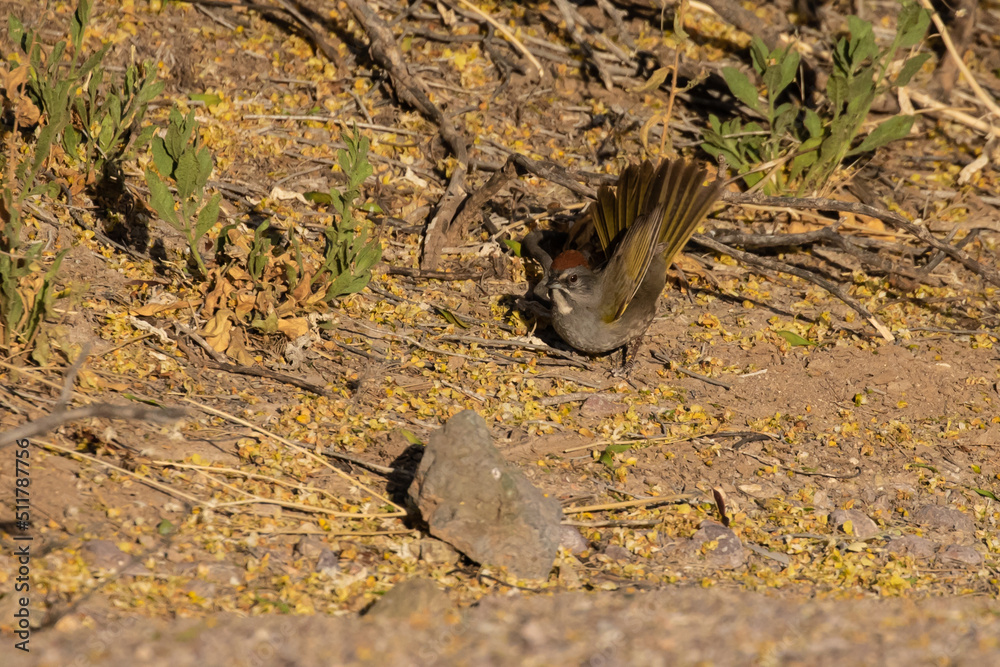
pixel 671 202
pixel 618 209
pixel 688 202
pixel 630 261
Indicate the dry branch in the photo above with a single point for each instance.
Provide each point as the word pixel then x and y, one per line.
pixel 819 204
pixel 781 267
pixel 101 410
pixel 410 90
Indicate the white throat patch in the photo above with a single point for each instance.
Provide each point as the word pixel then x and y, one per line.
pixel 562 305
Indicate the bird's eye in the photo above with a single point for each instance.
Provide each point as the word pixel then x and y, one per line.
pixel 572 278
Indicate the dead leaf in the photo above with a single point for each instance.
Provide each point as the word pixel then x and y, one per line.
pixel 293 327
pixel 654 81
pixel 237 349
pixel 152 309
pixel 284 195
pixel 218 330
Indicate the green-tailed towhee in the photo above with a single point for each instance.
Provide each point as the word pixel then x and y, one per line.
pixel 641 226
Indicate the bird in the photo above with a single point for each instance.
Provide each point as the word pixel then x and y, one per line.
pixel 641 225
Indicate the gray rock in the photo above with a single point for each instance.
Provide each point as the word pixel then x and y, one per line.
pixel 862 527
pixel 728 553
pixel 944 518
pixel 471 498
pixel 315 553
pixel 104 555
pixel 600 407
pixel 438 552
pixel 572 541
pixel 309 547
pixel 615 552
pixel 415 600
pixel 919 548
pixel 964 554
pixel 328 563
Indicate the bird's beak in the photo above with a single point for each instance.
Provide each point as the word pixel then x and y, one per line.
pixel 543 290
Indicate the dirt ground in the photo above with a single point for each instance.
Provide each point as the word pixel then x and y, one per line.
pixel 859 474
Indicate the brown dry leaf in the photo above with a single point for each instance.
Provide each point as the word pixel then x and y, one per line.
pixel 303 290
pixel 217 297
pixel 239 246
pixel 293 327
pixel 237 273
pixel 24 109
pixel 89 380
pixel 151 309
pixel 282 194
pixel 689 266
pixel 237 348
pixel 654 81
pixel 218 330
pixel 244 305
pixel 15 77
pixel 264 302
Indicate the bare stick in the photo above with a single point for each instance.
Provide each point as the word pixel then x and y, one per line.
pixel 990 274
pixel 933 107
pixel 474 204
pixel 503 30
pixel 102 410
pixel 411 90
pixel 981 94
pixel 781 267
pixel 71 373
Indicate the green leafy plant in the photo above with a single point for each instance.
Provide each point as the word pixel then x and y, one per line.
pixel 179 159
pixel 800 146
pixel 51 83
pixel 63 89
pixel 286 276
pixel 111 119
pixel 260 253
pixel 99 124
pixel 351 249
pixel 26 286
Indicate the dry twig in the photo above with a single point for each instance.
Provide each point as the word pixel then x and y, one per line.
pixel 411 90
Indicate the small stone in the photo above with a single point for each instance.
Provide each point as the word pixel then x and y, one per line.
pixel 861 527
pixel 438 552
pixel 821 499
pixel 328 563
pixel 309 547
pixel 572 541
pixel 944 518
pixel 136 569
pixel 615 552
pixel 728 552
pixel 601 407
pixel 919 548
pixel 957 553
pixel 470 497
pixel 881 503
pixel 418 601
pixel 104 555
pixel 174 556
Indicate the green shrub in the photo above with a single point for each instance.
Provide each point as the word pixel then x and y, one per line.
pixel 799 145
